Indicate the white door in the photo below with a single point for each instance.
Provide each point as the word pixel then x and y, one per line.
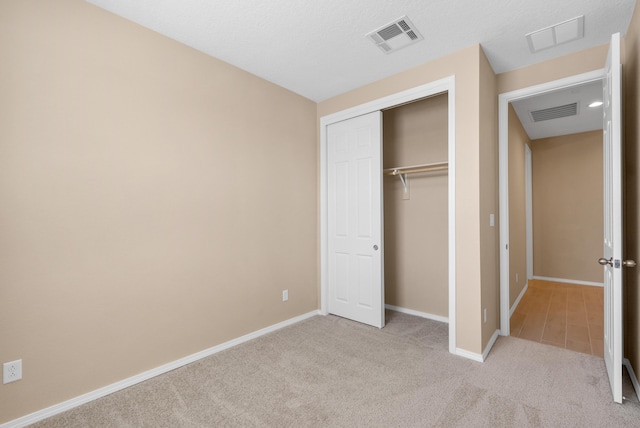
pixel 612 259
pixel 354 156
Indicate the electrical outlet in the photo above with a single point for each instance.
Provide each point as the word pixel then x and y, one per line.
pixel 485 315
pixel 12 371
pixel 517 278
pixel 285 295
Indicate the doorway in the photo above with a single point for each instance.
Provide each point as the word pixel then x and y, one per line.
pixel 612 195
pixel 415 208
pixel 507 301
pixel 560 196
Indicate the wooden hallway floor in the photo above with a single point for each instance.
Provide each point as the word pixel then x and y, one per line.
pixel 565 315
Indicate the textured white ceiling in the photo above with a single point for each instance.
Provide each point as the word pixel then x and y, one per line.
pixel 318 48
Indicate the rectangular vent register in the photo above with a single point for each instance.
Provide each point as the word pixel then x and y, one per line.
pixel 395 35
pixel 555 112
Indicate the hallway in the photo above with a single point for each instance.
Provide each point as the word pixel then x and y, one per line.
pixel 564 315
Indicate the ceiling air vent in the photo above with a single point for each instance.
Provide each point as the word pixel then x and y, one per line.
pixel 554 112
pixel 563 32
pixel 395 35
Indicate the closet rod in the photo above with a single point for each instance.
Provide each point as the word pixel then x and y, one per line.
pixel 417 168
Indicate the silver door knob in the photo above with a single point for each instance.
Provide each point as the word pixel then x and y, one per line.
pixel 605 262
pixel 375 248
pixel 629 263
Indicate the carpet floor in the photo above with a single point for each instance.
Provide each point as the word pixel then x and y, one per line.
pixel 331 372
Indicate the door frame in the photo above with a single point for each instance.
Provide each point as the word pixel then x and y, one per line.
pixel 503 165
pixel 447 85
pixel 528 198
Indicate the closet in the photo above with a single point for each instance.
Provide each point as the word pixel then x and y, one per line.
pixel 388 231
pixel 415 189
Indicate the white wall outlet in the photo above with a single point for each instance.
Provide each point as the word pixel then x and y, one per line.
pixel 492 220
pixel 285 295
pixel 485 315
pixel 517 278
pixel 12 371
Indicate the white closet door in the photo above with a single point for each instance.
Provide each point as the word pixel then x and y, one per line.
pixel 612 100
pixel 354 157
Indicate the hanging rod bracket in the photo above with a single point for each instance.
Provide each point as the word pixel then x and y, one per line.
pixel 405 181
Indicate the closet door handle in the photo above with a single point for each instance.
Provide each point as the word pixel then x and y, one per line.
pixel 375 248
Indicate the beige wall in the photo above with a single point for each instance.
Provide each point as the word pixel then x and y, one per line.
pixel 554 69
pixel 489 236
pixel 464 65
pixel 415 229
pixel 567 206
pixel 155 201
pixel 518 139
pixel 631 91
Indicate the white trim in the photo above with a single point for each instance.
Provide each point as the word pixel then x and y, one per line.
pixel 448 85
pixel 492 342
pixel 125 383
pixel 479 357
pixel 517 302
pixel 569 281
pixel 324 222
pixel 451 120
pixel 418 313
pixel 632 376
pixel 503 158
pixel 406 96
pixel 469 355
pixel 528 198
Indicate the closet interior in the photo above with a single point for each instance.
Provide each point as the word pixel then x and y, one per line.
pixel 415 148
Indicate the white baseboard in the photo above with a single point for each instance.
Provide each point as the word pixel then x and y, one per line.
pixel 417 313
pixel 479 357
pixel 570 281
pixel 469 355
pixel 632 376
pixel 101 392
pixel 492 341
pixel 517 302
